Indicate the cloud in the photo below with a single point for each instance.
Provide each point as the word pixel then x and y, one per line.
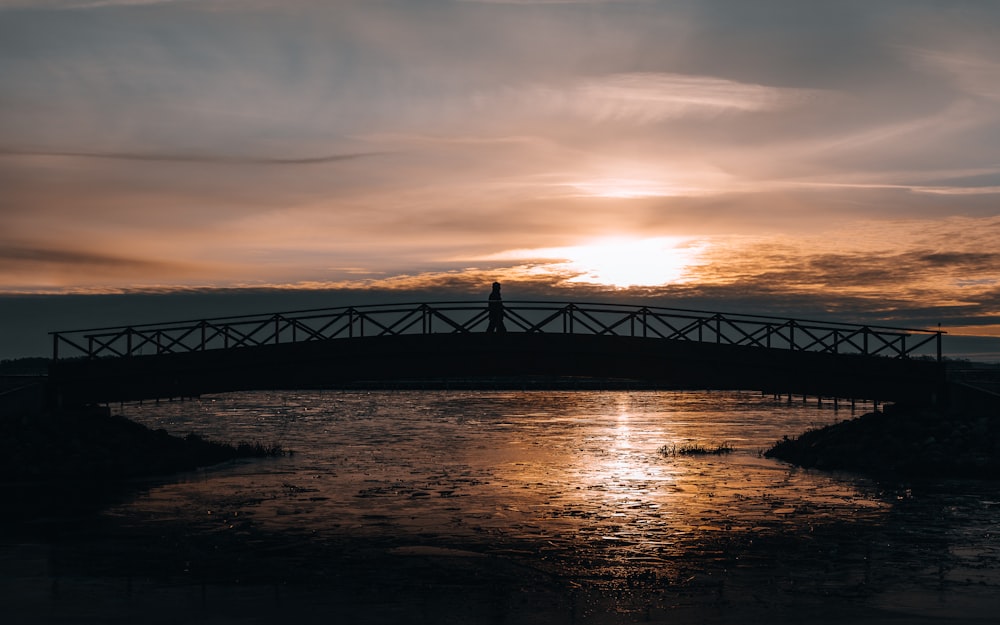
pixel 932 272
pixel 974 74
pixel 453 132
pixel 192 158
pixel 28 268
pixel 80 5
pixel 973 261
pixel 648 98
pixel 12 253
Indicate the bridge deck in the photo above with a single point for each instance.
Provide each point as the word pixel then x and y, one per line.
pixel 667 348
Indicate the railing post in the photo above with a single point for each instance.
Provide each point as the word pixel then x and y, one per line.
pixel 277 319
pixel 864 334
pixel 938 340
pixel 718 329
pixel 128 342
pixel 202 345
pixel 90 347
pixel 55 346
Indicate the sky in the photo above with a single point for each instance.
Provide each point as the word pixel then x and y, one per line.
pixel 185 157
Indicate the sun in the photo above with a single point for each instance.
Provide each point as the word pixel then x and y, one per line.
pixel 618 262
pixel 628 262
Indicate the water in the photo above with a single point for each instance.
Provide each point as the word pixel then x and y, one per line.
pixel 578 504
pixel 582 473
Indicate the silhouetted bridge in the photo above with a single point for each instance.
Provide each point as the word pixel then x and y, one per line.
pixel 444 345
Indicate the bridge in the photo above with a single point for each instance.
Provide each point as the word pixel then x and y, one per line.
pixel 546 345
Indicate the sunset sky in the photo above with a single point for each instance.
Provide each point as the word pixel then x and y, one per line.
pixel 809 158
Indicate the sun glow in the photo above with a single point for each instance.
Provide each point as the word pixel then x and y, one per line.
pixel 620 261
pixel 628 188
pixel 633 262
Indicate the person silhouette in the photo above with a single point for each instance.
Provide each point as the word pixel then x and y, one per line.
pixel 496 311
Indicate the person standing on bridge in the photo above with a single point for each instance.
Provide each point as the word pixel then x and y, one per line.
pixel 496 311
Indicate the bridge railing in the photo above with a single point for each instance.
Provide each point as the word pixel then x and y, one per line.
pixel 528 317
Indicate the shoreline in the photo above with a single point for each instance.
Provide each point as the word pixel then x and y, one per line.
pixel 75 463
pixel 92 445
pixel 900 442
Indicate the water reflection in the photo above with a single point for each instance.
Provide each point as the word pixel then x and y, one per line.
pixel 577 476
pixel 506 507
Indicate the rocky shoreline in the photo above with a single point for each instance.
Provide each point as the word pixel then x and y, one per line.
pixel 901 442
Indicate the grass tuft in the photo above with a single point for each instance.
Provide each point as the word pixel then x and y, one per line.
pixel 696 449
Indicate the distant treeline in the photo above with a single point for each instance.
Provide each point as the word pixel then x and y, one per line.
pixel 25 366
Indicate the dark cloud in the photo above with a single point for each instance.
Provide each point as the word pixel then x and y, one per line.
pixel 31 268
pixel 14 255
pixel 867 269
pixel 959 260
pixel 194 158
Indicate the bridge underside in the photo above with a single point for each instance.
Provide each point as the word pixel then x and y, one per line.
pixel 469 360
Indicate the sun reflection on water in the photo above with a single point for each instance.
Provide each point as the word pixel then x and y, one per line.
pixel 576 476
